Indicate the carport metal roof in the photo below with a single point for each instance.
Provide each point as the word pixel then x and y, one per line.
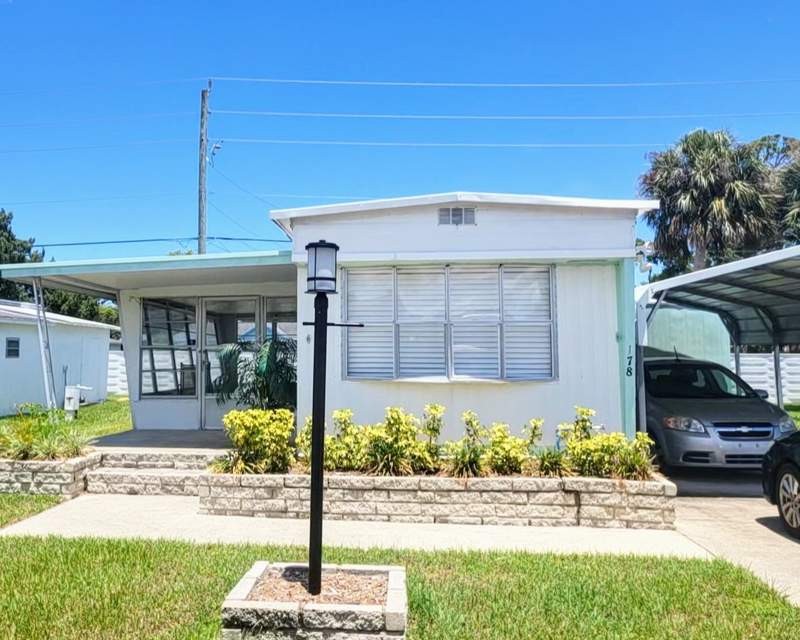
pixel 105 277
pixel 757 298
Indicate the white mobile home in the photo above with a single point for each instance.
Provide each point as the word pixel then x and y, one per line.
pixel 514 306
pixel 79 351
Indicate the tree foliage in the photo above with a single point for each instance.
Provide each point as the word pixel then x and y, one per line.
pixel 14 250
pixel 719 199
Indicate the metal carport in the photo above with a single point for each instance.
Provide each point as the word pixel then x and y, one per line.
pixel 758 300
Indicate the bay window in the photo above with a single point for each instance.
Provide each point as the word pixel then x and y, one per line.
pixel 459 322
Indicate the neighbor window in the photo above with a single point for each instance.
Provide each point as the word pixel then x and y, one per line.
pixel 457 322
pixel 168 344
pixel 457 215
pixel 12 347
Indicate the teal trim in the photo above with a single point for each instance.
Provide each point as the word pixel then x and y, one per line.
pixel 626 339
pixel 157 263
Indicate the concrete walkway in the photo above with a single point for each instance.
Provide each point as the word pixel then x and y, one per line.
pixel 747 532
pixel 153 517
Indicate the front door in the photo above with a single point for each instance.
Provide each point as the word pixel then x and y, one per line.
pixel 230 334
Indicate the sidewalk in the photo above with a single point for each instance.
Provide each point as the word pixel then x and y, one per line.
pixel 119 516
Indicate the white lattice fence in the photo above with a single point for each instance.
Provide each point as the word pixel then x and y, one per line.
pixel 117 378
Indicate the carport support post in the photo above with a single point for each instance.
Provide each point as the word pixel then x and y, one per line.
pixel 737 358
pixel 776 359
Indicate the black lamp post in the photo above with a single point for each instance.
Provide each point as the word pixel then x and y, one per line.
pixel 321 281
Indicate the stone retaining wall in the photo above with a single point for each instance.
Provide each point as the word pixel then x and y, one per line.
pixel 520 500
pixel 54 477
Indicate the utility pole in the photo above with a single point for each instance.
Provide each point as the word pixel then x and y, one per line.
pixel 201 185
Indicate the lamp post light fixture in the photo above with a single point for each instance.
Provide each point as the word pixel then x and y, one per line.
pixel 321 280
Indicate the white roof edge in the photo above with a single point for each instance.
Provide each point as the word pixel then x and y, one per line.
pixel 724 269
pixel 26 312
pixel 462 196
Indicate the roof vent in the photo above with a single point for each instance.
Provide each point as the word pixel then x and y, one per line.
pixel 457 215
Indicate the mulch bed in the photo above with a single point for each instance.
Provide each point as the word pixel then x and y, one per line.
pixel 338 587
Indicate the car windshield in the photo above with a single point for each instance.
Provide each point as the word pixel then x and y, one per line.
pixel 694 380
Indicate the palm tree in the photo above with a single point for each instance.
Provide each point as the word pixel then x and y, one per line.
pixel 264 379
pixel 715 196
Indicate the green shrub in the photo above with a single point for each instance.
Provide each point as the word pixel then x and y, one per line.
pixel 432 423
pixel 348 447
pixel 579 429
pixel 551 463
pixel 533 432
pixel 610 455
pixel 261 441
pixel 505 454
pixel 393 447
pixel 465 456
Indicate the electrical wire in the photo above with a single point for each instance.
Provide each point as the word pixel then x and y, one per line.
pixel 500 117
pixel 146 240
pixel 487 145
pixel 114 145
pixel 243 189
pixel 508 85
pixel 122 118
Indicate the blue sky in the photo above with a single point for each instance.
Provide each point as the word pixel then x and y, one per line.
pixel 94 74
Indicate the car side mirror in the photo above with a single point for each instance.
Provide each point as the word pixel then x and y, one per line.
pixel 761 393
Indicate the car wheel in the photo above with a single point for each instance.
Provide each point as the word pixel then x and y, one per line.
pixel 787 494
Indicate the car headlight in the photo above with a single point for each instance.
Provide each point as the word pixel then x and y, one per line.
pixel 786 425
pixel 682 423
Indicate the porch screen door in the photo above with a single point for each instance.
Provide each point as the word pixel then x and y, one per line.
pixel 226 322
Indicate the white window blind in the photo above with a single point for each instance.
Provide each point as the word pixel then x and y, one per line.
pixel 462 322
pixel 370 299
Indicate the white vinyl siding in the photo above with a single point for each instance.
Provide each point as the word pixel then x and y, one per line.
pixel 464 322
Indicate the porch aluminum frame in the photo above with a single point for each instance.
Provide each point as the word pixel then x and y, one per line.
pixel 757 299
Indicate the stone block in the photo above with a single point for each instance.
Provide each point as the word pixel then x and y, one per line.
pixel 490 484
pixel 594 485
pixel 399 508
pixel 411 519
pixel 400 483
pixel 442 484
pixel 459 519
pixel 352 507
pixel 645 487
pixel 615 499
pixel 592 513
pixel 536 484
pixel 301 481
pixel 456 497
pixel 350 482
pixel 262 481
pixel 505 497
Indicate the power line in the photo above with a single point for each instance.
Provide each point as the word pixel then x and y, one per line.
pixel 244 189
pixel 487 145
pixel 90 85
pixel 121 118
pixel 234 221
pixel 146 240
pixel 97 146
pixel 544 117
pixel 508 85
pixel 98 198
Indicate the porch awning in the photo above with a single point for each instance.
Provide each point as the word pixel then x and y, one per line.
pixel 757 298
pixel 105 277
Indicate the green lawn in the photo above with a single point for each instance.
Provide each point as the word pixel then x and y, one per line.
pixel 794 411
pixel 95 588
pixel 15 506
pixel 111 416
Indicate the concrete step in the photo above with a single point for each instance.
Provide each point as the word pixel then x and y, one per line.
pixel 153 458
pixel 150 482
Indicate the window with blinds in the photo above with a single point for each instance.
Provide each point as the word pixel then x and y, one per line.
pixel 486 322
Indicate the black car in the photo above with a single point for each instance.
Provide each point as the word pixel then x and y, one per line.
pixel 781 480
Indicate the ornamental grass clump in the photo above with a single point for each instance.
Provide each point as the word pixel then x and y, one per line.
pixel 36 433
pixel 261 440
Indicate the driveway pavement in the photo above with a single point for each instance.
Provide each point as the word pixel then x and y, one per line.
pixel 747 532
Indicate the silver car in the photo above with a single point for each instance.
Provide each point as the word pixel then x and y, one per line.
pixel 700 414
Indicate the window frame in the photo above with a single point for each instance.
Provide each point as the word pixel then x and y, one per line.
pixel 194 349
pixel 18 348
pixel 450 376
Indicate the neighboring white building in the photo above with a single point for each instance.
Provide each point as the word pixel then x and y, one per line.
pixel 514 306
pixel 79 351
